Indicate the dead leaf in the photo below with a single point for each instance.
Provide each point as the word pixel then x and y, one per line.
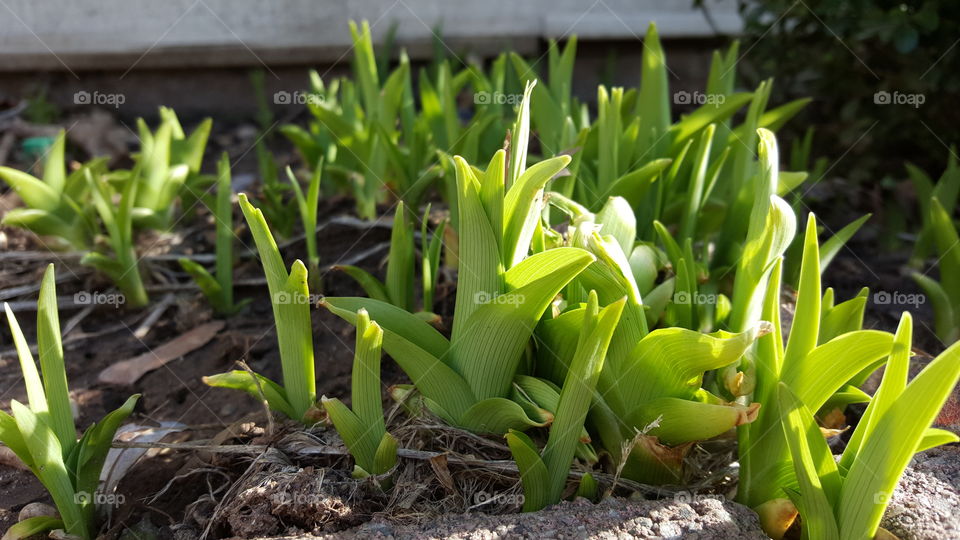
pixel 128 372
pixel 439 466
pixel 120 460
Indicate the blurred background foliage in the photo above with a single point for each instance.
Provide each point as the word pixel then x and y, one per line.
pixel 841 53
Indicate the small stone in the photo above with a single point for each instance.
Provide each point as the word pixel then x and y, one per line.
pixel 37 509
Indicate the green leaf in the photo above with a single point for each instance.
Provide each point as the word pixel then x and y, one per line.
pixel 29 527
pixel 398 325
pixel 945 315
pixel 617 219
pixel 190 150
pixel 670 362
pixel 371 285
pixel 208 284
pixel 948 245
pixel 815 469
pixel 842 318
pixel 430 258
pixel 578 390
pixel 386 456
pixel 894 380
pixel 365 378
pixel 54 171
pixel 399 283
pixel 10 436
pixel 497 416
pixel 772 225
pixel 819 375
pixel 588 488
pixel 533 472
pixel 34 192
pixel 633 186
pixel 831 247
pixel 47 453
pixel 93 450
pixel 272 392
pixel 31 377
pixel 683 421
pixel 522 207
pixel 764 246
pixel 520 138
pixel 54 372
pixel 357 435
pixel 895 437
pixel 653 103
pixel 365 65
pixel 806 322
pixel 697 184
pixel 934 437
pixel 700 118
pixel 788 181
pixel 44 223
pixel 488 351
pixel 478 252
pixel 404 339
pixel 291 311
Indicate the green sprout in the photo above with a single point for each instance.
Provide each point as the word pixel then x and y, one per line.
pixel 55 203
pixel 290 298
pixel 847 499
pixel 363 428
pixel 218 288
pixel 43 435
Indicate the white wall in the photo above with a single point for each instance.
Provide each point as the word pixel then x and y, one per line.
pixel 125 34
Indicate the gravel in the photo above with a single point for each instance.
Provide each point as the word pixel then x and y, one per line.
pixel 704 518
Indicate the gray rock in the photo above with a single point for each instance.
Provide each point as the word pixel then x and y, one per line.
pixel 925 504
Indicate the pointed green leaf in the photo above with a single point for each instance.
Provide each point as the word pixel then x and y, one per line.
pixel 397 324
pixel 522 207
pixel 30 527
pixel 815 468
pixel 819 375
pixel 47 454
pixel 374 288
pixel 683 421
pixel 488 351
pixel 52 368
pixel 497 416
pixel 272 392
pixel 806 322
pixel 533 472
pixel 895 437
